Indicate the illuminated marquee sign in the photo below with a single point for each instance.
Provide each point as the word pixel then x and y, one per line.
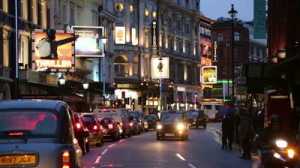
pixel 160 68
pixel 120 35
pixel 54 55
pixel 209 75
pixel 89 43
pixel 154 34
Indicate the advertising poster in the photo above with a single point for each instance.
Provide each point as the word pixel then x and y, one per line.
pixel 89 42
pixel 209 75
pixel 53 52
pixel 160 68
pixel 120 35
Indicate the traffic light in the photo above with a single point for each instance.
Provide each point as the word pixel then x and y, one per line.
pixel 139 100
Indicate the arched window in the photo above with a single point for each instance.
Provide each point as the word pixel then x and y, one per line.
pixel 121 66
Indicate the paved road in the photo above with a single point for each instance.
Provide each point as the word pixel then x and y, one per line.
pixel 202 150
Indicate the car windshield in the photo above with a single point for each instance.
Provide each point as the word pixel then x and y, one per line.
pixel 87 119
pixel 134 114
pixel 28 123
pixel 171 117
pixel 192 114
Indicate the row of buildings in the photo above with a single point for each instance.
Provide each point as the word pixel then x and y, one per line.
pixel 137 32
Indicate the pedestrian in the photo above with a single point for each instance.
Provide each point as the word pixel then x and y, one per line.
pixel 227 131
pixel 245 132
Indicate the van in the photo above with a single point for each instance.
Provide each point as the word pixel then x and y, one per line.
pixel 211 109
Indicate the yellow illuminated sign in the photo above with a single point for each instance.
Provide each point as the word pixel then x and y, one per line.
pixel 209 75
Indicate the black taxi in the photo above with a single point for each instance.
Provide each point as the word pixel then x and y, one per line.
pixel 172 124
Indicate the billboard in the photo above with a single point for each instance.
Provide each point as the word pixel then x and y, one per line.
pixel 89 42
pixel 53 51
pixel 120 35
pixel 209 75
pixel 160 68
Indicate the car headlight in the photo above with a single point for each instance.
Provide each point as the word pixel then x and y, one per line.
pixel 281 143
pixel 159 126
pixel 291 153
pixel 180 126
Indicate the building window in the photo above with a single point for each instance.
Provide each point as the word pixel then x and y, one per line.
pixel 146 12
pixel 5 49
pixel 135 66
pixel 167 42
pixel 236 36
pixel 34 9
pixel 186 2
pixel 121 66
pixel 4 5
pixel 24 9
pixel 258 52
pixel 160 40
pixel 252 50
pixel 131 8
pixel 154 14
pixel 195 49
pixel 236 52
pixel 146 37
pixel 183 46
pixel 119 7
pixel 175 45
pixel 72 16
pixel 24 52
pixel 220 37
pixel 44 15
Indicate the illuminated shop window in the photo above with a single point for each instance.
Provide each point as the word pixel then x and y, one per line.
pixel 131 8
pixel 154 14
pixel 146 12
pixel 119 7
pixel 121 66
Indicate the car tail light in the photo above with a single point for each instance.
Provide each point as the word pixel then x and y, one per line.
pixel 15 133
pixel 110 126
pixel 121 124
pixel 140 122
pixel 66 159
pixel 95 127
pixel 78 126
pixel 131 124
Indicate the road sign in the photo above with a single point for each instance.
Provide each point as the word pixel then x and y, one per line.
pixel 241 80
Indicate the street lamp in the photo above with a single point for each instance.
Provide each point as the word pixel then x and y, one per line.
pixel 160 68
pixel 232 14
pixel 85 87
pixel 102 74
pixel 61 82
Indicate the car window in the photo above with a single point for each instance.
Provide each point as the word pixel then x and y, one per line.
pixel 87 119
pixel 192 114
pixel 135 114
pixel 207 107
pixel 218 107
pixel 28 123
pixel 171 117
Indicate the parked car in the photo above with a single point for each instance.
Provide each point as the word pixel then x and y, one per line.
pixel 151 120
pixel 81 133
pixel 111 128
pixel 196 118
pixel 120 115
pixel 37 133
pixel 95 128
pixel 172 124
pixel 210 109
pixel 139 115
pixel 135 126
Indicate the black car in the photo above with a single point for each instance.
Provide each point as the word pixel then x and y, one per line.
pixel 110 128
pixel 196 118
pixel 172 124
pixel 95 128
pixel 81 133
pixel 151 119
pixel 134 125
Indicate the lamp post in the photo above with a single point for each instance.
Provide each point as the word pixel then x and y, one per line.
pixel 61 82
pixel 85 88
pixel 160 67
pixel 104 40
pixel 232 14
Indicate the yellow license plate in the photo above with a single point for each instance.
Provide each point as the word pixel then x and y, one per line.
pixel 8 160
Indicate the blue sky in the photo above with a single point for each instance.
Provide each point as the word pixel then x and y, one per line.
pixel 219 8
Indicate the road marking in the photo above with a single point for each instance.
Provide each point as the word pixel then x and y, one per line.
pixel 121 141
pixel 192 166
pixel 180 157
pixel 103 153
pixel 112 145
pixel 98 160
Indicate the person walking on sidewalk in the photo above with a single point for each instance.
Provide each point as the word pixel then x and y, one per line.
pixel 227 131
pixel 245 132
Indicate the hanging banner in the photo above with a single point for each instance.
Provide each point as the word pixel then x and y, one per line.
pixel 89 43
pixel 53 51
pixel 154 33
pixel 259 19
pixel 209 75
pixel 120 35
pixel 160 68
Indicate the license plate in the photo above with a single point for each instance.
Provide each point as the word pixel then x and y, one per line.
pixel 11 160
pixel 169 134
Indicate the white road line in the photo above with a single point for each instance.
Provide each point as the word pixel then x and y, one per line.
pixel 192 166
pixel 103 153
pixel 98 160
pixel 180 157
pixel 112 145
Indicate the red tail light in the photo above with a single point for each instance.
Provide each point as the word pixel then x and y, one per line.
pixel 121 124
pixel 78 126
pixel 140 122
pixel 15 133
pixel 95 127
pixel 110 126
pixel 66 159
pixel 131 124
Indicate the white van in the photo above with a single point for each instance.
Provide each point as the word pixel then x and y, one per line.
pixel 211 109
